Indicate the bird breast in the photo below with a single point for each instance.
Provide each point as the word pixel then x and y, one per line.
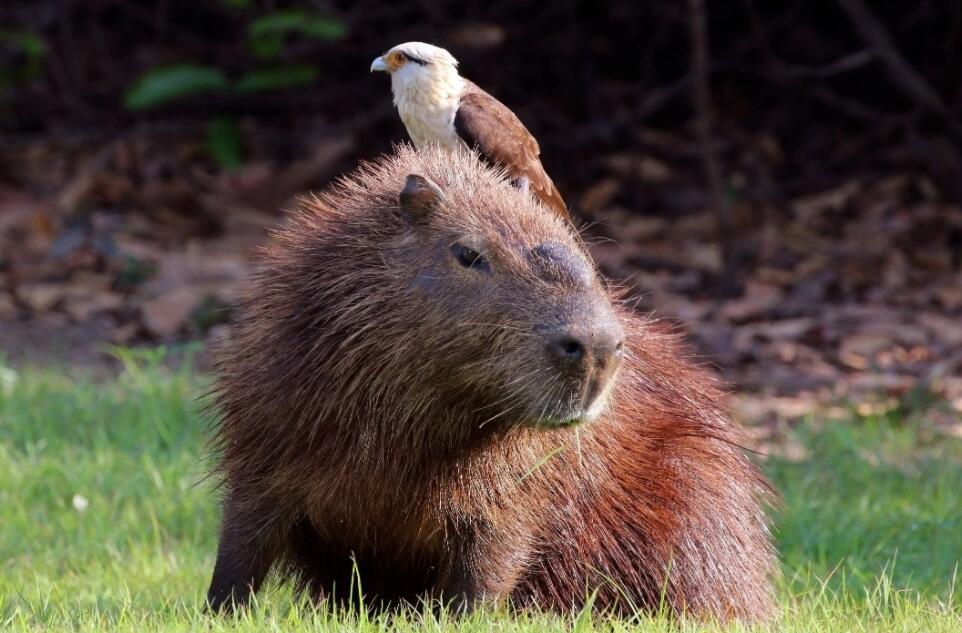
pixel 428 114
pixel 431 128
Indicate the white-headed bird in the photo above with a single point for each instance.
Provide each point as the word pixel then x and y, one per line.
pixel 437 105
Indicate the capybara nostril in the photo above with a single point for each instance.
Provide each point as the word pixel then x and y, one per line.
pixel 567 350
pixel 619 349
pixel 578 349
pixel 609 345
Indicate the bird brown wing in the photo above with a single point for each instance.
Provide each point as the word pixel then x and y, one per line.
pixel 486 124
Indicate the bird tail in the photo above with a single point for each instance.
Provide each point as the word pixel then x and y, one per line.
pixel 552 199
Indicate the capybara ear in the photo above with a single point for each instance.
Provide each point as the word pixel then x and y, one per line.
pixel 419 198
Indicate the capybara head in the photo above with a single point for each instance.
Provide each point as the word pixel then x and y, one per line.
pixel 509 295
pixel 454 292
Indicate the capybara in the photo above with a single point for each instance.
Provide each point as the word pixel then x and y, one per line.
pixel 431 389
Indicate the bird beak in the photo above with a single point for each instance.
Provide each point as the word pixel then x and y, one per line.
pixel 378 64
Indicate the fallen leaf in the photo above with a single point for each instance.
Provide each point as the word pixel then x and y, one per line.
pixel 951 295
pixel 645 168
pixel 784 329
pixel 757 299
pixel 705 256
pixel 44 296
pixel 82 308
pixel 599 195
pixel 168 313
pixel 478 35
pixel 945 329
pixel 808 207
pixel 125 334
pixel 7 308
pixel 866 343
pixel 895 384
pixel 682 307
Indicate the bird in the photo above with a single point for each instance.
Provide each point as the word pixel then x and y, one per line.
pixel 439 106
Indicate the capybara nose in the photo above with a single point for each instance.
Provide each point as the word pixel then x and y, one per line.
pixel 567 350
pixel 577 349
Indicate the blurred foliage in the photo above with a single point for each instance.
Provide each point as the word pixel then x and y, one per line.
pixel 133 272
pixel 276 77
pixel 162 85
pixel 25 50
pixel 224 143
pixel 267 33
pixel 267 36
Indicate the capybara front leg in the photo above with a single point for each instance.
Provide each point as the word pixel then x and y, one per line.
pixel 245 554
pixel 482 570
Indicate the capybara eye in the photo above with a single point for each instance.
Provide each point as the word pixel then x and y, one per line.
pixel 469 258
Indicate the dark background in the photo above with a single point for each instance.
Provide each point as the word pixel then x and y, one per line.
pixel 782 178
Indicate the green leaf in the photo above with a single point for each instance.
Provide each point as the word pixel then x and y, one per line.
pixel 28 42
pixel 276 78
pixel 31 47
pixel 224 142
pixel 266 34
pixel 323 28
pixel 162 85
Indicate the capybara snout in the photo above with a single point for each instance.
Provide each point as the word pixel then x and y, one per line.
pixel 585 353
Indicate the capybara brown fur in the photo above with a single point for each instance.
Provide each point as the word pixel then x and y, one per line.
pixel 432 389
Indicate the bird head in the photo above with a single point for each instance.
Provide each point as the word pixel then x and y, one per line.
pixel 417 65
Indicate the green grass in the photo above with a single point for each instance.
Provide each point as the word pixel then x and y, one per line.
pixel 870 532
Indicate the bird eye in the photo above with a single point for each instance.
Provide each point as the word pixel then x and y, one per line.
pixel 470 258
pixel 399 57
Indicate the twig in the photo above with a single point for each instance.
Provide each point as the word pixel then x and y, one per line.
pixel 780 72
pixel 840 66
pixel 606 128
pixel 849 107
pixel 701 101
pixel 758 33
pixel 873 33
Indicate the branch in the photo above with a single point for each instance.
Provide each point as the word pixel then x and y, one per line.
pixel 873 33
pixel 606 128
pixel 701 101
pixel 840 66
